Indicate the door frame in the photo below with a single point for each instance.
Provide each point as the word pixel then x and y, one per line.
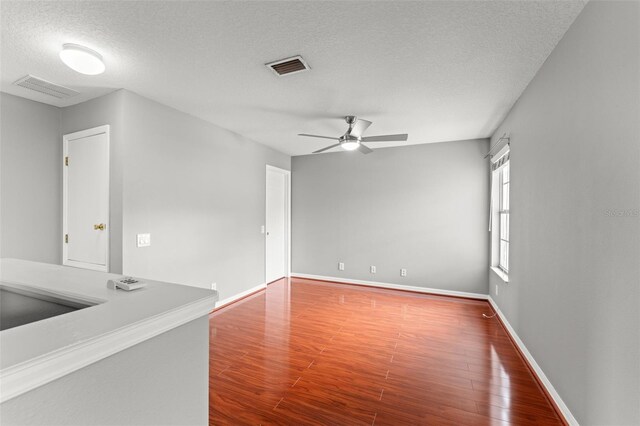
pixel 287 225
pixel 65 152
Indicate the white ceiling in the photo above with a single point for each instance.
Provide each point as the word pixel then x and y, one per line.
pixel 439 71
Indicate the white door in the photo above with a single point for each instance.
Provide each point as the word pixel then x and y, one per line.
pixel 86 199
pixel 277 224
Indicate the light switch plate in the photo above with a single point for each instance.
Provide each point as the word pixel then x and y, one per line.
pixel 144 240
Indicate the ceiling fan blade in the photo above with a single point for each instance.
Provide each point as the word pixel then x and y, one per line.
pixel 325 148
pixel 364 149
pixel 359 127
pixel 318 136
pixel 386 138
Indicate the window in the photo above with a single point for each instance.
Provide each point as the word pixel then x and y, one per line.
pixel 503 211
pixel 499 213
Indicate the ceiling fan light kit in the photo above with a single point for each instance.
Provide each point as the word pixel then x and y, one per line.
pixel 350 145
pixel 352 139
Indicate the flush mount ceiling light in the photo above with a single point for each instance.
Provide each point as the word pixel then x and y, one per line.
pixel 82 59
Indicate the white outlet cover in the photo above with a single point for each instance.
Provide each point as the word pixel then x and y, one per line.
pixel 373 269
pixel 341 266
pixel 143 240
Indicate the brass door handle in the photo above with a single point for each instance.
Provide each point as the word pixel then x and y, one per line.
pixel 100 227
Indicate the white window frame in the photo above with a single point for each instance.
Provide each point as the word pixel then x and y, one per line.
pixel 503 213
pixel 499 162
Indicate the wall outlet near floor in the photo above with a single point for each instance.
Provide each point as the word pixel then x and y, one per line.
pixel 403 272
pixel 497 289
pixel 214 286
pixel 341 266
pixel 143 240
pixel 372 269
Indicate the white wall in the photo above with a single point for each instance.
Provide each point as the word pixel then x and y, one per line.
pixel 161 381
pixel 574 290
pixel 200 191
pixel 420 207
pixel 31 180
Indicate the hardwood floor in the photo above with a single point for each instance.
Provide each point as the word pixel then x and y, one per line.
pixel 315 353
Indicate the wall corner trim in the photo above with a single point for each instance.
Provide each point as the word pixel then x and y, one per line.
pixel 542 378
pixel 392 286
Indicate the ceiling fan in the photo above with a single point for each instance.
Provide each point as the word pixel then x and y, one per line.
pixel 353 139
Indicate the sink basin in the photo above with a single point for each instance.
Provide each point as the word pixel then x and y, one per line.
pixel 20 305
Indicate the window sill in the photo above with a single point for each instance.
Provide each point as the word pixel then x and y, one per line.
pixel 500 273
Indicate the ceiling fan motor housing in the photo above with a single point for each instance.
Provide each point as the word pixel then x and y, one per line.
pixel 349 138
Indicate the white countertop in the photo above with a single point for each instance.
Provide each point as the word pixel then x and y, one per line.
pixel 36 353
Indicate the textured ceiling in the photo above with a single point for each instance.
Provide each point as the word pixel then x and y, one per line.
pixel 439 71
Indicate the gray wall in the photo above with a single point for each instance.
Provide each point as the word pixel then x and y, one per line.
pixel 197 188
pixel 162 381
pixel 200 191
pixel 421 207
pixel 106 109
pixel 31 180
pixel 574 290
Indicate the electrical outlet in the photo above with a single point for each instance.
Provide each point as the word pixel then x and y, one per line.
pixel 143 240
pixel 497 289
pixel 373 269
pixel 341 266
pixel 214 286
pixel 403 272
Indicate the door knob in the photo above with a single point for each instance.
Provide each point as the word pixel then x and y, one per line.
pixel 100 227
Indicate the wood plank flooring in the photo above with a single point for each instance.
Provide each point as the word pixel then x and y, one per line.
pixel 315 353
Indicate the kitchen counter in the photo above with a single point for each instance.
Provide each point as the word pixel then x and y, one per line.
pixel 34 354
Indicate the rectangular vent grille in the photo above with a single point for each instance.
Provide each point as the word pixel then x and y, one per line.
pixel 288 66
pixel 39 85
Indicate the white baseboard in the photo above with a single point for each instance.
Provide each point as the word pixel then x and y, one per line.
pixel 228 300
pixel 543 378
pixel 393 286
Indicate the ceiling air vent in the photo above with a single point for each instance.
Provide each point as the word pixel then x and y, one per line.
pixel 46 87
pixel 288 66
